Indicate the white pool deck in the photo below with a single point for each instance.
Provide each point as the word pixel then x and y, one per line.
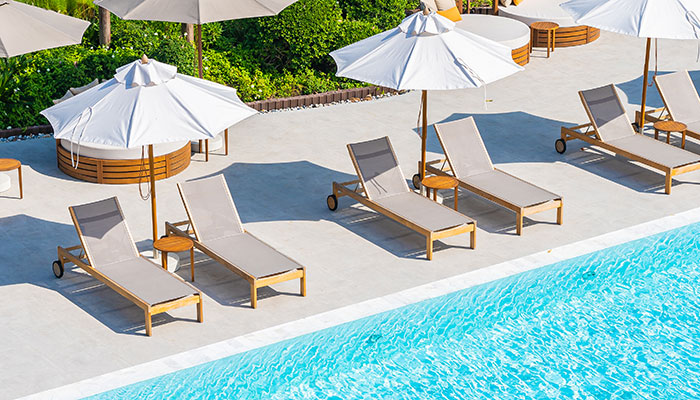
pixel 280 168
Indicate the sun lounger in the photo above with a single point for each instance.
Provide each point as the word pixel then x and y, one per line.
pixel 681 102
pixel 467 160
pixel 386 192
pixel 219 233
pixel 108 253
pixel 610 129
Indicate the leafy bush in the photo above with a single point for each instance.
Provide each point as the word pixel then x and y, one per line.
pixel 385 14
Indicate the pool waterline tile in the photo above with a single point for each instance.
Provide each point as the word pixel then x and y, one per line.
pixel 363 309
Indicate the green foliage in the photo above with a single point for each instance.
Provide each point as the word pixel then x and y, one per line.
pixel 279 56
pixel 385 14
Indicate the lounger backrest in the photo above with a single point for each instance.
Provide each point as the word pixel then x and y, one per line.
pixel 679 96
pixel 606 112
pixel 103 232
pixel 378 168
pixel 463 147
pixel 210 208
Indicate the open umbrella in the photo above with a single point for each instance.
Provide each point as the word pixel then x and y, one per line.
pixel 25 29
pixel 651 19
pixel 146 103
pixel 425 52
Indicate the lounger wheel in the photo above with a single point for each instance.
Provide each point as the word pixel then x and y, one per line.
pixel 57 267
pixel 332 202
pixel 635 126
pixel 416 181
pixel 560 146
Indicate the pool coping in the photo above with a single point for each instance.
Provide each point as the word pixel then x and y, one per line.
pixel 328 319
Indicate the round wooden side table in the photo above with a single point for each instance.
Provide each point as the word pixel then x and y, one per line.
pixel 175 244
pixel 550 28
pixel 440 183
pixel 9 164
pixel 668 127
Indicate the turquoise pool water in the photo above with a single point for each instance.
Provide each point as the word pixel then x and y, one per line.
pixel 619 323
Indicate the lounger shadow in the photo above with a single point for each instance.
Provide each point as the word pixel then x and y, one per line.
pixel 467 159
pixel 108 253
pixel 610 129
pixel 381 186
pixel 219 233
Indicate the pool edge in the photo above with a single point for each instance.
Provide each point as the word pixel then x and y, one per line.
pixel 327 319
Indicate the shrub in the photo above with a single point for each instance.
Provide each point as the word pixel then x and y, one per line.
pixel 385 14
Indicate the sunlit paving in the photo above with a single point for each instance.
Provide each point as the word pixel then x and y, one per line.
pixel 349 199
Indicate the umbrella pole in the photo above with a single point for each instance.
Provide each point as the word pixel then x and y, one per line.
pixel 424 133
pixel 644 86
pixel 154 219
pixel 199 48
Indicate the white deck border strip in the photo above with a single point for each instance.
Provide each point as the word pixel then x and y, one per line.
pixel 367 308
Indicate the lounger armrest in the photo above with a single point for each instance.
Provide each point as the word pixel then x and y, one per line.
pixel 174 228
pixel 582 126
pixel 65 254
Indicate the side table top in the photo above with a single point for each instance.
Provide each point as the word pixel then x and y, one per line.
pixel 544 25
pixel 8 164
pixel 173 244
pixel 440 182
pixel 670 126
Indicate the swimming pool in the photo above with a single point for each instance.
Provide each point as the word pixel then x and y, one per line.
pixel 623 322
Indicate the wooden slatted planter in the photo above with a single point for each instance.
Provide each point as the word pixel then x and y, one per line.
pixel 568 36
pixel 122 171
pixel 521 55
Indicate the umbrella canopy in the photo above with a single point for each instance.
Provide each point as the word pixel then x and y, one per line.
pixel 193 11
pixel 25 29
pixel 146 103
pixel 425 52
pixel 651 19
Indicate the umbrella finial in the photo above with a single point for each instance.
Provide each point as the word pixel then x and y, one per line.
pixel 144 59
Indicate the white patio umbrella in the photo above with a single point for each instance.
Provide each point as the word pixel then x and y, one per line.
pixel 25 29
pixel 651 19
pixel 425 52
pixel 193 12
pixel 146 103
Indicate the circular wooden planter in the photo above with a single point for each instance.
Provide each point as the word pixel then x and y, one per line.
pixel 568 36
pixel 521 55
pixel 123 171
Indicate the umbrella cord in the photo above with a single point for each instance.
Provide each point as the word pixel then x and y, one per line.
pixel 141 173
pixel 74 163
pixel 656 62
pixel 419 128
pixel 478 78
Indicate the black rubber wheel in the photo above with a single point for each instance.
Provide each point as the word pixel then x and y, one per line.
pixel 57 267
pixel 635 126
pixel 416 181
pixel 560 146
pixel 332 202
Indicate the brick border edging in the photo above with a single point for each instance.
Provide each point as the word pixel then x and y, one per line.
pixel 260 105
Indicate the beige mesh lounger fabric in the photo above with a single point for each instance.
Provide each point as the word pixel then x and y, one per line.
pixel 681 101
pixel 610 129
pixel 470 163
pixel 386 192
pixel 112 258
pixel 220 235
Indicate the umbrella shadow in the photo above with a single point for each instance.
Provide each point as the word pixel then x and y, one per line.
pixel 29 246
pixel 519 137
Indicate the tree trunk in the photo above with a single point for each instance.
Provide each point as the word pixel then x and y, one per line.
pixel 188 32
pixel 105 27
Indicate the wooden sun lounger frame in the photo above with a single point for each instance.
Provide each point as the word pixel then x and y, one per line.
pixel 82 260
pixel 343 189
pixel 255 283
pixel 590 135
pixel 520 212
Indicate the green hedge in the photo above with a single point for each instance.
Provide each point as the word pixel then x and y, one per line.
pixel 279 56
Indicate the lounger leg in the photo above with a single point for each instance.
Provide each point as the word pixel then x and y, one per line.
pixel 429 247
pixel 472 239
pixel 560 214
pixel 253 296
pixel 519 223
pixel 200 310
pixel 302 284
pixel 668 183
pixel 192 263
pixel 148 322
